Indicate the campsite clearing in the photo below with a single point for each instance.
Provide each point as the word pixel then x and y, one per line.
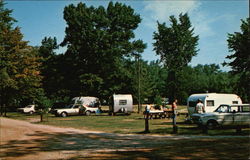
pixel 24 140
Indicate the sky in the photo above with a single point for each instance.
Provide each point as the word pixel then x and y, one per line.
pixel 212 21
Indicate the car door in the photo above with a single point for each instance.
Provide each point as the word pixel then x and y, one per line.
pixel 75 109
pixel 225 117
pixel 242 117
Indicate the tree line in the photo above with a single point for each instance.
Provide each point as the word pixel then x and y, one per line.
pixel 103 58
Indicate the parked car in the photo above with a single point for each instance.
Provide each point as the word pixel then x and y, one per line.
pixel 225 115
pixel 75 109
pixel 68 110
pixel 28 109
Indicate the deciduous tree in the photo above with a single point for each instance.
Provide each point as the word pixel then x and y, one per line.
pixel 239 44
pixel 19 66
pixel 176 46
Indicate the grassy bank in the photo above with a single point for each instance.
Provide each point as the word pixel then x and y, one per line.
pixel 132 124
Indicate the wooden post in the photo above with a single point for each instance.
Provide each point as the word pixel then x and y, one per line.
pixel 146 123
pixel 41 115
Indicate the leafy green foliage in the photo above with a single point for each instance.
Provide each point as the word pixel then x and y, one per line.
pixel 176 46
pixel 98 40
pixel 239 44
pixel 103 57
pixel 204 78
pixel 19 66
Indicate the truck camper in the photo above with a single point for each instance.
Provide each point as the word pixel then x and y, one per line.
pixel 211 101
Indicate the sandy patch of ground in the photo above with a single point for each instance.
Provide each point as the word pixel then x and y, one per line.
pixel 26 141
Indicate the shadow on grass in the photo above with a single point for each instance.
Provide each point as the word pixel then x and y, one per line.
pixel 112 146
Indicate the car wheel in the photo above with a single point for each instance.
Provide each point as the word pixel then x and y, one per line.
pixel 64 114
pixel 87 113
pixel 31 112
pixel 211 125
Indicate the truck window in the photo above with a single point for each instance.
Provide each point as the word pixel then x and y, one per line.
pixel 245 108
pixel 210 102
pixel 222 109
pixel 122 102
pixel 234 108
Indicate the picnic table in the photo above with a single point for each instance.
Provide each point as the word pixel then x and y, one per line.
pixel 154 114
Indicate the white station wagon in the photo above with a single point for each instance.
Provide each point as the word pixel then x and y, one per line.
pixel 75 109
pixel 225 115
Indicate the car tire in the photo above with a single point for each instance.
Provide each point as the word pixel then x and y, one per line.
pixel 211 124
pixel 87 113
pixel 31 112
pixel 64 114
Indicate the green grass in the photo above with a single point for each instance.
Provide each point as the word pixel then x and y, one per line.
pixel 132 124
pixel 204 147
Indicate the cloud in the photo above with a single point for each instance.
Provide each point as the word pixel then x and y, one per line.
pixel 161 10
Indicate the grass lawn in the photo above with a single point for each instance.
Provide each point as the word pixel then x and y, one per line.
pixel 132 124
pixel 109 146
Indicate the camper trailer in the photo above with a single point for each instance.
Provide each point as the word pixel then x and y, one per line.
pixel 211 101
pixel 91 104
pixel 121 103
pixel 88 101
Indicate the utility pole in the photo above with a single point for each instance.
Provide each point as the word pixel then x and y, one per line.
pixel 139 85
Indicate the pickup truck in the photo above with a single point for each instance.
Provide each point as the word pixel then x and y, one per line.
pixel 235 115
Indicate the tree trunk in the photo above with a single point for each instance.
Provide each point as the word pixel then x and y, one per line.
pixel 5 111
pixel 171 81
pixel 1 110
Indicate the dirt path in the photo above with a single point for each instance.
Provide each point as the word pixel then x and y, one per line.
pixel 27 141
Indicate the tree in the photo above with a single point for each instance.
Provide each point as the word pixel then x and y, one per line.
pixel 239 44
pixel 19 66
pixel 204 78
pixel 176 46
pixel 98 40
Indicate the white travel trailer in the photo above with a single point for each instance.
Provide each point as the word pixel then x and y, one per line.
pixel 121 103
pixel 88 101
pixel 211 101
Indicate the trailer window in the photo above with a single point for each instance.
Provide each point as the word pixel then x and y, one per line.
pixel 122 102
pixel 192 103
pixel 235 102
pixel 210 103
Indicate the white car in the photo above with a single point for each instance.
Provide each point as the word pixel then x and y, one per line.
pixel 28 109
pixel 68 110
pixel 225 115
pixel 75 109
